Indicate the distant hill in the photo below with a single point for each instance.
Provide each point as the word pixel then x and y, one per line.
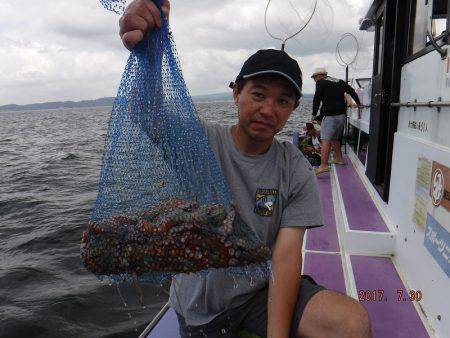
pixel 214 97
pixel 108 101
pixel 104 101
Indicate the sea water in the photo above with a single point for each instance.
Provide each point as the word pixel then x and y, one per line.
pixel 49 168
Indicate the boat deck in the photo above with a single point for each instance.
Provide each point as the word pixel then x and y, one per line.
pixel 352 254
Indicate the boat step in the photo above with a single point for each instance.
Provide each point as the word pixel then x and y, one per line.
pixel 330 273
pixel 362 213
pixel 324 238
pixel 386 299
pixel 363 229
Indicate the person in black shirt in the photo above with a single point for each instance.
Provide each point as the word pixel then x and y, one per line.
pixel 331 93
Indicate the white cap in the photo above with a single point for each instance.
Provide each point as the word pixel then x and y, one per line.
pixel 319 71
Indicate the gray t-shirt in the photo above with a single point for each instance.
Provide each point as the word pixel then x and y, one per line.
pixel 272 190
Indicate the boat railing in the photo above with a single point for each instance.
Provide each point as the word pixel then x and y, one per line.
pixel 438 104
pixel 155 320
pixel 430 104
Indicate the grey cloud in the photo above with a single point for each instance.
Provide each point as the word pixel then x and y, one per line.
pixel 65 49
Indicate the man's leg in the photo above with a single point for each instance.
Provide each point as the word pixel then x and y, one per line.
pixel 330 314
pixel 338 129
pixel 336 145
pixel 325 152
pixel 325 134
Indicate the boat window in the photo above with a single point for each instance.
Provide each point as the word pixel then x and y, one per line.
pixel 426 16
pixel 418 38
pixel 379 50
pixel 439 17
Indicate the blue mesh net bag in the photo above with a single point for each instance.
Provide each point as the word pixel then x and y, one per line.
pixel 163 205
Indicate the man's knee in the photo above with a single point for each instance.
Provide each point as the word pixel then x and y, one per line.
pixel 357 322
pixel 353 323
pixel 330 314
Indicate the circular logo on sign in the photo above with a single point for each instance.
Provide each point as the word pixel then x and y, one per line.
pixel 438 187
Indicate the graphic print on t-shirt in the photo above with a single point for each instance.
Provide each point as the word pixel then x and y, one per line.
pixel 265 201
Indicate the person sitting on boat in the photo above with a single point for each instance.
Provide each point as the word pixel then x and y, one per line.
pixel 259 167
pixel 309 144
pixel 331 93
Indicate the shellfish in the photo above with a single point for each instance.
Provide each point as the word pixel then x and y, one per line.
pixel 174 236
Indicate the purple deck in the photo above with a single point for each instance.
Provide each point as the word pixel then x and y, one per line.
pixel 389 317
pixel 362 214
pixel 326 269
pixel 324 238
pixel 167 327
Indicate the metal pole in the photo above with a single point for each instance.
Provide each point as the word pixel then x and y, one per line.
pixel 345 134
pixel 346 74
pixel 346 117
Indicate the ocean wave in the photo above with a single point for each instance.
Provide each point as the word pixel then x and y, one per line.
pixel 70 157
pixel 25 274
pixel 19 204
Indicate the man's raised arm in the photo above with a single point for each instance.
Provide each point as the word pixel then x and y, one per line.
pixel 349 90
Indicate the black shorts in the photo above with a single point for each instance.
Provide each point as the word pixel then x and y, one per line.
pixel 251 316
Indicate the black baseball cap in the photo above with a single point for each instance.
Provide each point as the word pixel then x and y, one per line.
pixel 272 61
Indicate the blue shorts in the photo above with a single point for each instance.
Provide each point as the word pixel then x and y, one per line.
pixel 250 317
pixel 332 127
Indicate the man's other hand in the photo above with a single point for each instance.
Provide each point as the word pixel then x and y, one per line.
pixel 140 18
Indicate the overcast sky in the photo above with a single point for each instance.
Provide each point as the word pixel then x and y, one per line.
pixel 55 50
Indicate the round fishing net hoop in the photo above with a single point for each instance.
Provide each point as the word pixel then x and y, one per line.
pixel 346 56
pixel 302 23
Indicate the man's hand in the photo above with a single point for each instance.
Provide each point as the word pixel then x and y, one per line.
pixel 313 118
pixel 140 17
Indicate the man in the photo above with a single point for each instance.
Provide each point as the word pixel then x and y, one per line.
pixel 331 93
pixel 258 167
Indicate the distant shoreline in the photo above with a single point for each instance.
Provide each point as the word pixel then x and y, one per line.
pixel 109 101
